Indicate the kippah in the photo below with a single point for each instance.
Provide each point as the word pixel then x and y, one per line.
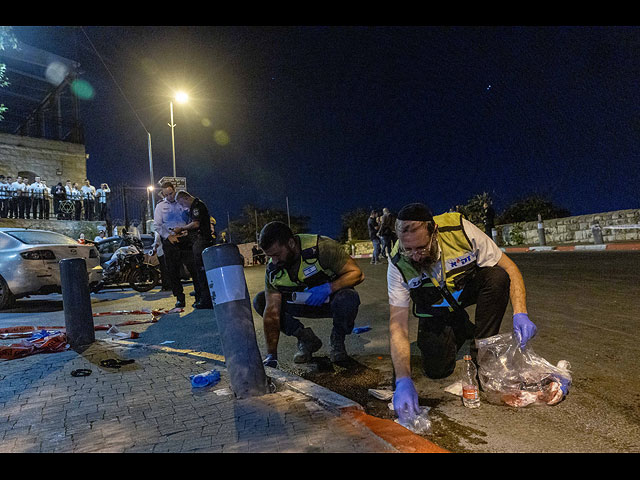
pixel 417 212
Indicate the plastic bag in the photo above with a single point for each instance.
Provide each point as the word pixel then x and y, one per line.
pixel 518 377
pixel 420 423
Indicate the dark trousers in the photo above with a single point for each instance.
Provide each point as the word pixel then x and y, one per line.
pixel 387 244
pixel 343 308
pixel 77 205
pixel 22 205
pixel 102 211
pixel 4 207
pixel 175 256
pixel 166 283
pixel 440 338
pixel 201 285
pixel 88 209
pixel 38 207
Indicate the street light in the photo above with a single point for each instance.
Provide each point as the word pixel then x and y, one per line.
pixel 149 196
pixel 180 97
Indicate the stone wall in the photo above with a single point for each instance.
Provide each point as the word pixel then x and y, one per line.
pixel 577 229
pixel 558 231
pixel 54 161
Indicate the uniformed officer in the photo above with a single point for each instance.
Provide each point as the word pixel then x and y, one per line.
pixel 177 247
pixel 199 228
pixel 443 264
pixel 4 198
pixel 314 266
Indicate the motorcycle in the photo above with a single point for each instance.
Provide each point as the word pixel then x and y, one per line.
pixel 127 265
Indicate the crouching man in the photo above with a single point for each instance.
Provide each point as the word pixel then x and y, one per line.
pixel 311 266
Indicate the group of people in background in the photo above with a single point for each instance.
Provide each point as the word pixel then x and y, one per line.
pixel 381 233
pixel 23 200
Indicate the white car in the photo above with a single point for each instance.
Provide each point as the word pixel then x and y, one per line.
pixel 30 262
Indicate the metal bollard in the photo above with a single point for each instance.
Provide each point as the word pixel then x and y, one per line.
pixel 232 308
pixel 596 231
pixel 76 302
pixel 541 239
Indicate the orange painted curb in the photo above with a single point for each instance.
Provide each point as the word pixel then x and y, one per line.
pixel 395 434
pixel 516 249
pixel 623 246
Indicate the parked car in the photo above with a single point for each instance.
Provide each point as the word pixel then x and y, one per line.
pixel 30 262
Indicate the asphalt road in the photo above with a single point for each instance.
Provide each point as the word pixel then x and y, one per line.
pixel 587 309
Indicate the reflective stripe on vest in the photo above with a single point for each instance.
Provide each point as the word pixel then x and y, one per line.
pixel 458 261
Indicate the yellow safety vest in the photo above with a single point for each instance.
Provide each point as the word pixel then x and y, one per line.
pixel 310 272
pixel 458 262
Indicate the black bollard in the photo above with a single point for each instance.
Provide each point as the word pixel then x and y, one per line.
pixel 76 301
pixel 232 308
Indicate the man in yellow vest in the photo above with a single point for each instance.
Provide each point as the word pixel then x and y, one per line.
pixel 444 264
pixel 307 276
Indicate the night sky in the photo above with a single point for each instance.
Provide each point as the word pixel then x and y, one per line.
pixel 341 117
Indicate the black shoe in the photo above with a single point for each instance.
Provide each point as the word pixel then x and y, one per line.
pixel 270 361
pixel 201 305
pixel 307 344
pixel 338 352
pixel 180 303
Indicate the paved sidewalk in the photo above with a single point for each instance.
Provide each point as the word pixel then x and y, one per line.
pixel 150 406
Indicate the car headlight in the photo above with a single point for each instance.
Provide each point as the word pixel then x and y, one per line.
pixel 38 255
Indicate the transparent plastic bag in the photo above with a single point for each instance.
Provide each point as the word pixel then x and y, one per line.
pixel 420 423
pixel 518 377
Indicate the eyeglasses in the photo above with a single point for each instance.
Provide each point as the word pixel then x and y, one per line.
pixel 408 253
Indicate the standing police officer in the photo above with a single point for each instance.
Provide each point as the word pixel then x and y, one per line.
pixel 168 216
pixel 199 229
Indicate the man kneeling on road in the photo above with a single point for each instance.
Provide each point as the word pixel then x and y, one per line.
pixel 318 266
pixel 444 264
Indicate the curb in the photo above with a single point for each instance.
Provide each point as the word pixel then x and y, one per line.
pixel 556 248
pixel 574 248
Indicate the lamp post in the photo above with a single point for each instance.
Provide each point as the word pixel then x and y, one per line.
pixel 181 97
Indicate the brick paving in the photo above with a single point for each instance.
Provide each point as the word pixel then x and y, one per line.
pixel 150 406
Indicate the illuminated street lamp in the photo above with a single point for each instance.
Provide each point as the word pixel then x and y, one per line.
pixel 150 196
pixel 180 97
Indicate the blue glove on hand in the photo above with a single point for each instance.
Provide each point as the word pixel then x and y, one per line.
pixel 524 328
pixel 318 294
pixel 405 399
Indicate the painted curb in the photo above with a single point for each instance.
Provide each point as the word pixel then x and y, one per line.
pixel 557 248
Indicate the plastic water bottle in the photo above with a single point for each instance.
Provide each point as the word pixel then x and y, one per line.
pixel 470 389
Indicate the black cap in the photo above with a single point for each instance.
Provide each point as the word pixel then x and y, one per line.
pixel 417 212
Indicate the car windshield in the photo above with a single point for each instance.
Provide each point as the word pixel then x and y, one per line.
pixel 42 238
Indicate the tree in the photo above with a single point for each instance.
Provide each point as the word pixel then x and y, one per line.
pixel 527 210
pixel 356 220
pixel 246 228
pixel 7 39
pixel 474 209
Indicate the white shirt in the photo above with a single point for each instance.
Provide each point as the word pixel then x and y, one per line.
pixel 18 187
pixel 157 245
pixel 101 194
pixel 88 192
pixel 169 215
pixel 36 189
pixel 487 255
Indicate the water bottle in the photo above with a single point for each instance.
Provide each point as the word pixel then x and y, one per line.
pixel 470 389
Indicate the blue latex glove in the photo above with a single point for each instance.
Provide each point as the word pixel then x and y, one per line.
pixel 203 379
pixel 524 328
pixel 318 294
pixel 405 399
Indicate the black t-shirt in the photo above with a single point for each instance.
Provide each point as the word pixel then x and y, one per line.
pixel 199 212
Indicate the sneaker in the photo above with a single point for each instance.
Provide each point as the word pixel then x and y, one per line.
pixel 201 305
pixel 308 343
pixel 270 361
pixel 338 352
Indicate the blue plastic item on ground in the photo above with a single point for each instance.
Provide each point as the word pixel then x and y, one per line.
pixel 361 329
pixel 204 379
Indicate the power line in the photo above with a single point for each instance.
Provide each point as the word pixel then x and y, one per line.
pixel 114 80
